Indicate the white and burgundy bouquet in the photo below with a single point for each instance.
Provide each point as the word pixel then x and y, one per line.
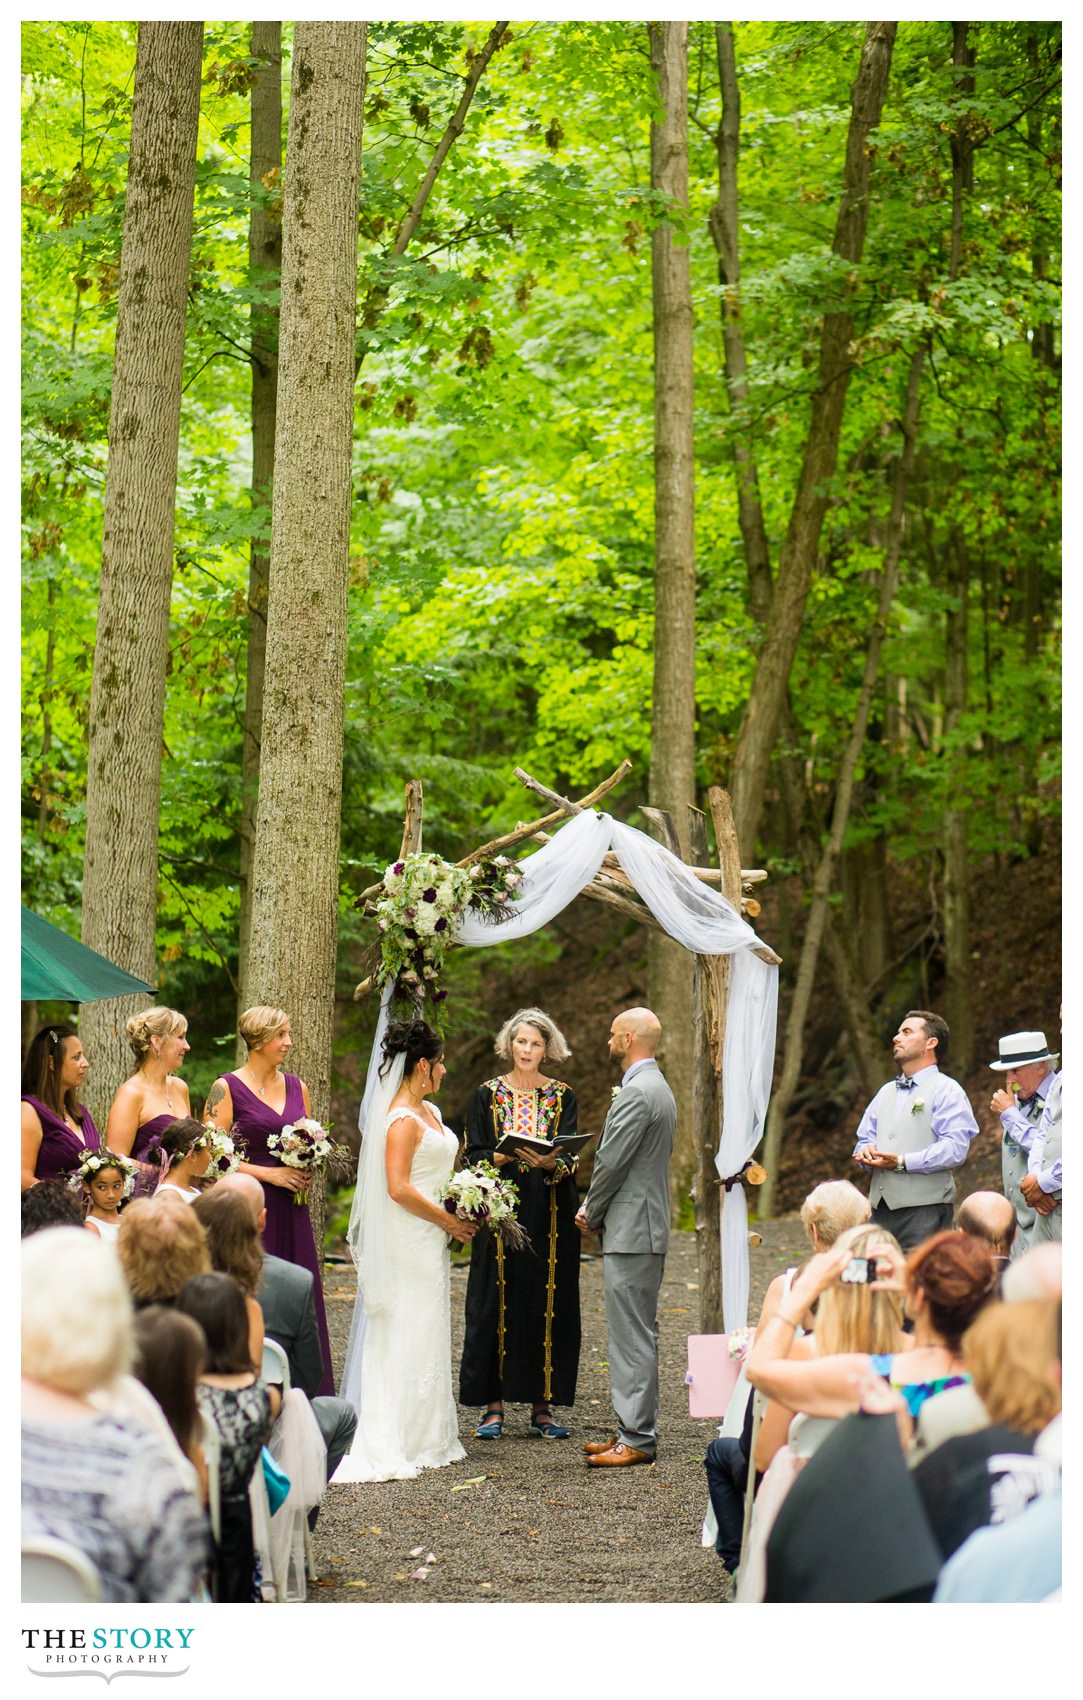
pixel 482 1195
pixel 225 1157
pixel 306 1145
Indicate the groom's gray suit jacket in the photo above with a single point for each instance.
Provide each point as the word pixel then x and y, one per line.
pixel 629 1189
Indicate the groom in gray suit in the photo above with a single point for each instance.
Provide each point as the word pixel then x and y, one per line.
pixel 628 1205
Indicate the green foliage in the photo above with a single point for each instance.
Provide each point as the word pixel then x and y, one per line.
pixel 501 603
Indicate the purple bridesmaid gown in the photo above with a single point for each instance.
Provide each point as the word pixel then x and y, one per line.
pixel 288 1231
pixel 60 1148
pixel 148 1139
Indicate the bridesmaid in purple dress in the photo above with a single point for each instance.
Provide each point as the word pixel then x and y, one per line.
pixel 257 1100
pixel 154 1095
pixel 56 1128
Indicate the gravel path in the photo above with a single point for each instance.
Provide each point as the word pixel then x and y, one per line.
pixel 524 1520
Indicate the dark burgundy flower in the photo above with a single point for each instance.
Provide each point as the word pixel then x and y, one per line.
pixel 410 933
pixel 429 895
pixel 440 926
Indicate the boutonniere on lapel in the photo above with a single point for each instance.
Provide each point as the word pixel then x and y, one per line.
pixel 616 1094
pixel 917 1106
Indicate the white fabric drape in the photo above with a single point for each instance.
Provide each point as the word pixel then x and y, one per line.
pixel 704 922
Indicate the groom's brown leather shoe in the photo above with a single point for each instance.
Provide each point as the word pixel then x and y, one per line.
pixel 621 1454
pixel 590 1447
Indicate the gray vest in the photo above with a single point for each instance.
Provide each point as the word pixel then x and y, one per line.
pixel 901 1127
pixel 1042 1154
pixel 1013 1166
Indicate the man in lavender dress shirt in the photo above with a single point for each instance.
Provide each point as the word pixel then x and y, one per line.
pixel 916 1131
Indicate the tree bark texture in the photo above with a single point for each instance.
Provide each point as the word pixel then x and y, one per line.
pixel 295 866
pixel 797 559
pixel 264 260
pixel 958 1003
pixel 723 222
pixel 127 703
pixel 672 772
pixel 824 878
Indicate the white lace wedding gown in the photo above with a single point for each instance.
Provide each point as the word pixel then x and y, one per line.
pixel 407 1418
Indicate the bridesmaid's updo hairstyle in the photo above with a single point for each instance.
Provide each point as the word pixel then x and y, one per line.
pixel 557 1048
pixel 154 1023
pixel 259 1025
pixel 416 1040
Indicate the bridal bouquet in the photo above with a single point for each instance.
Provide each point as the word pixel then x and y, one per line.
pixel 304 1144
pixel 482 1195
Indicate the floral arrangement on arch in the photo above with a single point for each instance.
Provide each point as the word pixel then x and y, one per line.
pixel 424 900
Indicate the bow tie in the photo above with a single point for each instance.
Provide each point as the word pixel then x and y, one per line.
pixel 904 1083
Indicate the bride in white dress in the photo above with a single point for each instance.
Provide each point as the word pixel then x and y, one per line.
pixel 398 1362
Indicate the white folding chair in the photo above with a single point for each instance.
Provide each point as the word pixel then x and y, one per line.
pixel 55 1572
pixel 275 1368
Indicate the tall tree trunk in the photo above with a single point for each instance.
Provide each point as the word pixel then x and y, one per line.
pixel 957 997
pixel 264 264
pixel 127 703
pixel 823 882
pixel 958 1001
pixel 295 867
pixel 672 774
pixel 724 227
pixel 759 724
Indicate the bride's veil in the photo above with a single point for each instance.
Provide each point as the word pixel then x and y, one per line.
pixel 366 1235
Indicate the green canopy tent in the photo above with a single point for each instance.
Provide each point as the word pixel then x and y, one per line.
pixel 58 966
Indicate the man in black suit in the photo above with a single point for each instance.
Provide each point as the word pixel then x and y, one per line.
pixel 286 1298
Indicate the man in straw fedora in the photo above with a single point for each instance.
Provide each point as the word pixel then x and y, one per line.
pixel 1027 1064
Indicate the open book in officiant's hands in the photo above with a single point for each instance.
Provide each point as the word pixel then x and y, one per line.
pixel 565 1145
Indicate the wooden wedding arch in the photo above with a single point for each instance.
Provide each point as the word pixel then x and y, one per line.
pixel 612 886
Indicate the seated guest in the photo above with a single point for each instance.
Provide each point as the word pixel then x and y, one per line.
pixel 829 1210
pixel 989 1216
pixel 1019 1560
pixel 945 1282
pixel 50 1204
pixel 851 1317
pixel 185 1151
pixel 161 1244
pixel 288 1303
pixel 169 1354
pixel 242 1408
pixel 989 1476
pixel 235 1248
pixel 1034 1276
pixel 97 1482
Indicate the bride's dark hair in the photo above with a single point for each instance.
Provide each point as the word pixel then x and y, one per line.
pixel 415 1039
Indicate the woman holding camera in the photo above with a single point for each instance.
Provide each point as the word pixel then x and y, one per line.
pixel 944 1283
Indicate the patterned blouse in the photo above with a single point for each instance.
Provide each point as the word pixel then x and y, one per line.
pixel 111 1489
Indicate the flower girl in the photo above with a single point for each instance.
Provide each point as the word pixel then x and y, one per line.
pixel 105 1179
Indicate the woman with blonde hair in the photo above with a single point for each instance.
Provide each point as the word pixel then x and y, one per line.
pixel 975 1479
pixel 154 1095
pixel 254 1102
pixel 522 1307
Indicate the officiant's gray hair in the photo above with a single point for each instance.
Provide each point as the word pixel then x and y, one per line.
pixel 557 1048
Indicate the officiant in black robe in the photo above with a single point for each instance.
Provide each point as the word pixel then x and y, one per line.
pixel 522 1307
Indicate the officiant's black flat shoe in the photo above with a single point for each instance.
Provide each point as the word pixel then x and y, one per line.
pixel 491 1426
pixel 542 1422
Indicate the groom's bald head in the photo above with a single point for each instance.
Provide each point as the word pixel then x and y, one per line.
pixel 634 1035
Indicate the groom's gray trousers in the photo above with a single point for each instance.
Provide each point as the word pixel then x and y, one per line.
pixel 632 1282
